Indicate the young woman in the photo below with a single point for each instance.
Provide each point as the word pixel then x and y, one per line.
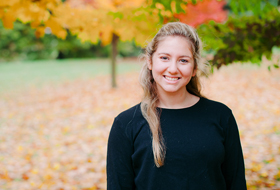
pixel 175 138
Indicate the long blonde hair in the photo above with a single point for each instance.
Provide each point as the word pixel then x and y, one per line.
pixel 150 99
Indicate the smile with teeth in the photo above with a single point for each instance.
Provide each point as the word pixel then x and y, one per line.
pixel 172 78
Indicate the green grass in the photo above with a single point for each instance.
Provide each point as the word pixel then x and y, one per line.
pixel 21 75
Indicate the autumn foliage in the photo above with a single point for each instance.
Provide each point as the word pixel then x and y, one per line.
pixel 100 19
pixel 89 20
pixel 203 11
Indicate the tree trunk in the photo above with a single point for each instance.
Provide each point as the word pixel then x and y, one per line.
pixel 114 56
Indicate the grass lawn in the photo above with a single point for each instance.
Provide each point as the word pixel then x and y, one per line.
pixel 22 75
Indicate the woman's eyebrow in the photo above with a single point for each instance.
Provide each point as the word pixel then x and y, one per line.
pixel 164 53
pixel 179 56
pixel 186 56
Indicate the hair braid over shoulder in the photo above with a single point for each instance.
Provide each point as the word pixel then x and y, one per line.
pixel 150 99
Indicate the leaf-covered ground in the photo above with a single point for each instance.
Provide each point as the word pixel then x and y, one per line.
pixel 55 137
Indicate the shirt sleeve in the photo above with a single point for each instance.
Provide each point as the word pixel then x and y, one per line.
pixel 233 166
pixel 120 175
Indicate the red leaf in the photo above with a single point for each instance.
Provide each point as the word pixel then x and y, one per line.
pixel 202 12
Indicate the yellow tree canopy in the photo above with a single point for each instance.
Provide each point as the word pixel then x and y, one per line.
pixel 89 20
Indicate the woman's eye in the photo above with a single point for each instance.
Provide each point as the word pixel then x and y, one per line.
pixel 164 58
pixel 184 60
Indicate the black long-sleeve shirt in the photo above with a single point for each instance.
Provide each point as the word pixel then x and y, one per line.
pixel 203 150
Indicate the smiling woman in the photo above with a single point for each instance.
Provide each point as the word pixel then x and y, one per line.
pixel 172 68
pixel 195 142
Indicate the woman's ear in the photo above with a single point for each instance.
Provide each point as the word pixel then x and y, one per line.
pixel 149 63
pixel 194 72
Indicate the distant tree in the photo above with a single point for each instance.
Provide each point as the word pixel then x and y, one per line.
pixel 250 32
pixel 235 30
pixel 105 20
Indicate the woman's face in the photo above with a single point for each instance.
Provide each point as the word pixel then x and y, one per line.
pixel 172 65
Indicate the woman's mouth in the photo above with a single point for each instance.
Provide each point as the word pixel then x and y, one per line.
pixel 171 78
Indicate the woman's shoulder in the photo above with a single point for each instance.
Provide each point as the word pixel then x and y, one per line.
pixel 133 113
pixel 130 121
pixel 215 106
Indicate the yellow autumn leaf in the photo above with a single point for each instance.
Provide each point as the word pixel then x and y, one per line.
pixel 159 6
pixel 83 36
pixel 94 36
pixel 56 166
pixel 19 148
pixel 8 20
pixel 47 177
pixel 173 6
pixel 166 13
pixel 257 167
pixel 29 12
pixel 61 34
pixel 264 174
pixel 2 12
pixel 35 24
pixel 56 28
pixel 34 171
pixel 115 5
pixel 8 3
pixel 40 32
pixel 106 35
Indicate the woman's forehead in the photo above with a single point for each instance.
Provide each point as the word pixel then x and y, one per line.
pixel 174 45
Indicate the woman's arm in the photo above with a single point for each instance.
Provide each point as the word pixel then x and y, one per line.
pixel 233 166
pixel 120 175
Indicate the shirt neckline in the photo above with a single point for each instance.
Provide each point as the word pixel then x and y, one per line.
pixel 190 107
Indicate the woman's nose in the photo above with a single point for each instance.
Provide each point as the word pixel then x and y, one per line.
pixel 172 68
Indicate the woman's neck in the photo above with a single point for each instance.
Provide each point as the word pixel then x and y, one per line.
pixel 177 100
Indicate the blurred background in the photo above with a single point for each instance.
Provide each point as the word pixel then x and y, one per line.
pixel 68 67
